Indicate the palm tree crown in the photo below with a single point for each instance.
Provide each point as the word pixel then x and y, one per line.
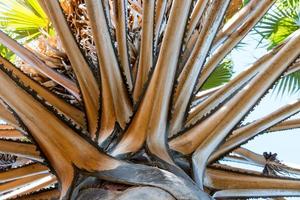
pixel 124 98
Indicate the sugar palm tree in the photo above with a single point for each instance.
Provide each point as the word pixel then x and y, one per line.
pixel 142 123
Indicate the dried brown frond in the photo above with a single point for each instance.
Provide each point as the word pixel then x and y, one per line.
pixel 77 18
pixel 49 50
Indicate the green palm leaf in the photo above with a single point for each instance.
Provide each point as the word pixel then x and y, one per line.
pixel 221 75
pixel 288 85
pixel 275 27
pixel 289 3
pixel 280 22
pixel 23 18
pixel 6 53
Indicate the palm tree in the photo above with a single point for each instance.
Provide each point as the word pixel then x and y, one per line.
pixel 130 116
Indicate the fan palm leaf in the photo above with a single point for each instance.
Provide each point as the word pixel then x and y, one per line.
pixel 25 18
pixel 276 27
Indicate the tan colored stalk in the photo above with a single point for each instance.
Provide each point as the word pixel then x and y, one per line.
pixel 234 22
pixel 202 95
pixel 160 9
pixel 233 40
pixel 214 129
pixel 6 127
pixel 22 172
pixel 250 156
pixel 136 6
pixel 189 75
pixel 33 186
pixel 189 46
pixel 116 105
pixel 220 179
pixel 56 140
pixel 20 149
pixel 7 115
pixel 13 185
pixel 68 110
pixel 233 85
pixel 206 93
pixel 195 17
pixel 10 133
pixel 225 91
pixel 150 120
pixel 87 82
pixel 245 133
pixel 106 6
pixel 285 125
pixel 145 62
pixel 256 193
pixel 38 64
pixel 294 68
pixel 239 159
pixel 120 8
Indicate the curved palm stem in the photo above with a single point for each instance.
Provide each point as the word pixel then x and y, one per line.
pixel 86 80
pixel 39 65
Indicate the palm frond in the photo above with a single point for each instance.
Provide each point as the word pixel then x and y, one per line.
pixel 275 27
pixel 288 85
pixel 280 22
pixel 6 53
pixel 25 18
pixel 289 3
pixel 221 75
